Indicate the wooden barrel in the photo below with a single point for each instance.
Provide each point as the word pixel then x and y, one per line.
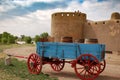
pixel 67 39
pixel 50 39
pixel 79 41
pixel 43 40
pixel 91 41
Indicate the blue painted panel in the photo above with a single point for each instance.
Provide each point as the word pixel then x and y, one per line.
pixel 94 49
pixel 48 48
pixel 69 50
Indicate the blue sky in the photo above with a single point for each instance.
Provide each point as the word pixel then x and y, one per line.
pixel 32 17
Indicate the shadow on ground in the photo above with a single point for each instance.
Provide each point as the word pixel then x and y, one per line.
pixel 70 75
pixel 73 76
pixel 105 77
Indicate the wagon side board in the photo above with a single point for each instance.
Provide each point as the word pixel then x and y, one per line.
pixel 69 50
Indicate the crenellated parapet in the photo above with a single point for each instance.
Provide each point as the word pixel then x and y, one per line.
pixel 73 15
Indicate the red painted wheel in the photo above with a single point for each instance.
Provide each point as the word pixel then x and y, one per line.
pixel 102 66
pixel 57 64
pixel 87 67
pixel 34 64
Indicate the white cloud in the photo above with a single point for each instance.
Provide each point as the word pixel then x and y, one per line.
pixel 95 10
pixel 40 21
pixel 11 4
pixel 6 7
pixel 31 24
pixel 29 2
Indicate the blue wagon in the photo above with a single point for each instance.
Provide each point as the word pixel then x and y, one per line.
pixel 88 60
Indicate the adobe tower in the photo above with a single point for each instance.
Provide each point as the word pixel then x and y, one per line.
pixel 70 24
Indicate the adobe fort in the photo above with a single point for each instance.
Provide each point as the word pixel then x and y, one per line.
pixel 76 25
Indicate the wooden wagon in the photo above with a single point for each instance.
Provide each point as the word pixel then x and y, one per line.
pixel 88 60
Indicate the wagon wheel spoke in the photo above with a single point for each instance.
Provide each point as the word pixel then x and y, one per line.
pixel 81 68
pixel 85 74
pixel 102 65
pixel 88 59
pixel 91 63
pixel 34 64
pixel 32 58
pixel 81 71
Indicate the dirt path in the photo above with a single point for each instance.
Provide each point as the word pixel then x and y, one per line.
pixel 112 71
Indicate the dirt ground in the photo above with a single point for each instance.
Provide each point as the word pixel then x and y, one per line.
pixel 111 72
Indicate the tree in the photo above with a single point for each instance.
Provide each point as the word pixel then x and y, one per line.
pixel 0 37
pixel 44 35
pixel 5 34
pixel 22 37
pixel 28 39
pixel 4 40
pixel 37 38
pixel 11 39
pixel 7 38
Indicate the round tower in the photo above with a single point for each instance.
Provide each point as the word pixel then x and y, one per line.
pixel 68 24
pixel 115 15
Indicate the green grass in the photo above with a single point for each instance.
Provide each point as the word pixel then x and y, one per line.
pixel 19 70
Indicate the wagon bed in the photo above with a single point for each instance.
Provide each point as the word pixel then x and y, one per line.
pixel 69 50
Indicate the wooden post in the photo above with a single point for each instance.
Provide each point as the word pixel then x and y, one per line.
pixel 8 60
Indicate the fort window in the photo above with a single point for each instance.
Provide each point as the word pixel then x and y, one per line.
pixel 88 23
pixel 67 14
pixel 55 14
pixel 117 21
pixel 73 15
pixel 103 22
pixel 61 14
pixel 95 22
pixel 78 14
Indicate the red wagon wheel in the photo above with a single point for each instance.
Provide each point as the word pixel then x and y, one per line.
pixel 87 67
pixel 34 64
pixel 57 64
pixel 102 66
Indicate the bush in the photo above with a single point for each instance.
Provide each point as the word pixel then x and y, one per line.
pixel 37 38
pixel 28 39
pixel 7 38
pixel 4 40
pixel 44 35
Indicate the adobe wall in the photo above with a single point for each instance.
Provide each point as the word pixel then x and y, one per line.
pixel 107 32
pixel 69 24
pixel 89 31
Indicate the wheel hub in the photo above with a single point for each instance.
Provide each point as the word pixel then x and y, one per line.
pixel 87 67
pixel 33 64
